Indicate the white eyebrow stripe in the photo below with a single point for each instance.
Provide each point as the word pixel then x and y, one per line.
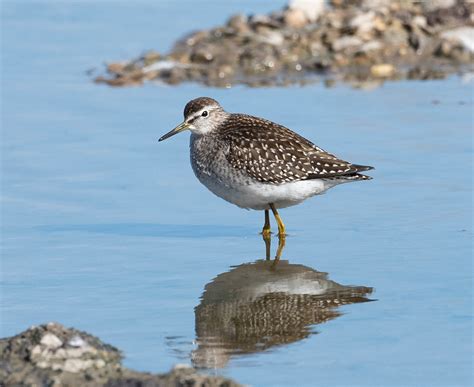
pixel 199 112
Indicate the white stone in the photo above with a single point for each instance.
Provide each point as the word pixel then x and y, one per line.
pixel 311 8
pixel 36 351
pixel 76 341
pixel 363 22
pixel 346 42
pixel 99 363
pixel 75 352
pixel 375 4
pixel 163 65
pixel 42 364
pixel 56 366
pixel 51 341
pixel 59 354
pixel 420 21
pixel 463 35
pixel 295 18
pixel 76 365
pixel 372 45
pixel 273 37
pixel 382 70
pixel 46 353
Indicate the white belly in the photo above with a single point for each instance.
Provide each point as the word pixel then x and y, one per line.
pixel 257 196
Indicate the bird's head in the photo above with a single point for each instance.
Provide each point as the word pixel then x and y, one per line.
pixel 201 116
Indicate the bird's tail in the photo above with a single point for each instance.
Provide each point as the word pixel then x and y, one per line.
pixel 362 168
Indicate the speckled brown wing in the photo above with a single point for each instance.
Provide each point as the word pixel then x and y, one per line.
pixel 271 153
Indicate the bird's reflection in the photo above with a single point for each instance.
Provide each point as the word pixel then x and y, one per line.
pixel 258 305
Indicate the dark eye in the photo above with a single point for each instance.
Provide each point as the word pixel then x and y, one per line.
pixel 205 113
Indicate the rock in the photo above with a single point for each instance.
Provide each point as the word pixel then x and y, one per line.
pixel 295 18
pixel 151 57
pixel 271 36
pixel 382 70
pixel 420 21
pixel 116 67
pixel 463 35
pixel 51 341
pixel 76 341
pixel 263 20
pixel 311 9
pixel 432 5
pixel 27 360
pixel 363 22
pixel 373 45
pixel 376 4
pixel 459 13
pixel 239 23
pixel 202 55
pixel 346 42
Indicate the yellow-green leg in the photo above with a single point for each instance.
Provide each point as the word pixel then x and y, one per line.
pixel 266 234
pixel 281 234
pixel 281 226
pixel 266 231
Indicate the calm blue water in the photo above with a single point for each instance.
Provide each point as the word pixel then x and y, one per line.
pixel 108 231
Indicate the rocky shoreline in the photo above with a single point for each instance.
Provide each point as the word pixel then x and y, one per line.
pixel 355 41
pixel 52 355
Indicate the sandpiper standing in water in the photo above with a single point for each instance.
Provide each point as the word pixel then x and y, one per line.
pixel 258 164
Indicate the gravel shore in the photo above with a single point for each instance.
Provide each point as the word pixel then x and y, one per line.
pixel 362 42
pixel 52 355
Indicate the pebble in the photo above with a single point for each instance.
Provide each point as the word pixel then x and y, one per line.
pixel 76 365
pixel 463 35
pixel 432 5
pixel 273 37
pixel 76 341
pixel 51 341
pixel 311 9
pixel 363 22
pixel 370 46
pixel 295 18
pixel 346 42
pixel 239 23
pixel 420 21
pixel 382 70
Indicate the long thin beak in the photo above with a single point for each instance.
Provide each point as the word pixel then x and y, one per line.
pixel 176 130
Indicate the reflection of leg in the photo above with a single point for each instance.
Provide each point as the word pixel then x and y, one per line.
pixel 281 246
pixel 266 227
pixel 268 240
pixel 281 226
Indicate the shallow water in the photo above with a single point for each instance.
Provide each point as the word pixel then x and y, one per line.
pixel 108 231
